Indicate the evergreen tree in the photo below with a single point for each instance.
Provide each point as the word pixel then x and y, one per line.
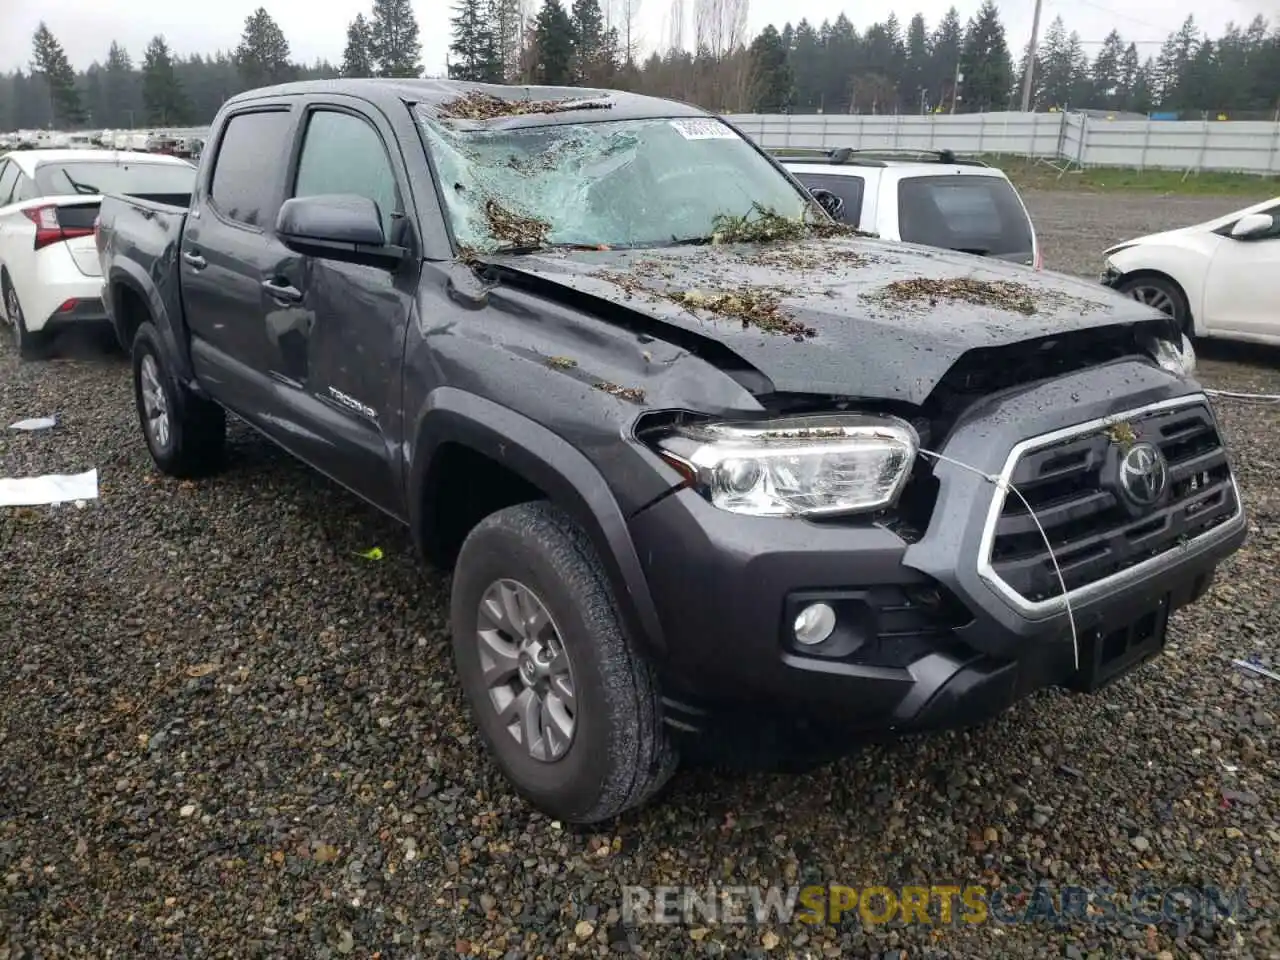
pixel 394 39
pixel 50 61
pixel 357 57
pixel 263 55
pixel 985 63
pixel 120 88
pixel 1108 78
pixel 162 95
pixel 589 61
pixel 554 43
pixel 771 80
pixel 944 58
pixel 915 84
pixel 474 49
pixel 807 62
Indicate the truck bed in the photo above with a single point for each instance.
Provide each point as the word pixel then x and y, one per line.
pixel 139 240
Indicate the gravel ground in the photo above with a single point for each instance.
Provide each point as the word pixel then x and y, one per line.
pixel 225 734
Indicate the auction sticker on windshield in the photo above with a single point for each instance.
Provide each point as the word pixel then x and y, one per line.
pixel 703 130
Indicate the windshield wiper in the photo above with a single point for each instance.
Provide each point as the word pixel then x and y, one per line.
pixel 86 189
pixel 542 247
pixel 976 251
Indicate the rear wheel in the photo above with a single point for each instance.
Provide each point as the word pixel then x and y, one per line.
pixel 186 434
pixel 567 706
pixel 1163 294
pixel 30 346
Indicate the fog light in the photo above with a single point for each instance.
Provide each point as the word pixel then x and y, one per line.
pixel 814 624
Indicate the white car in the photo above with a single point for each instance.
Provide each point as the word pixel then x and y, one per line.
pixel 1220 278
pixel 49 273
pixel 934 198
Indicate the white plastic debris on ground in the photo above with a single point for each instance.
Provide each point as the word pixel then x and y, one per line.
pixel 38 423
pixel 52 488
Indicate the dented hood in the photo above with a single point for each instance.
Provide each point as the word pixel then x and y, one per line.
pixel 887 320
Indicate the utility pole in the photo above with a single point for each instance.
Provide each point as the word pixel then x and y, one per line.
pixel 1029 75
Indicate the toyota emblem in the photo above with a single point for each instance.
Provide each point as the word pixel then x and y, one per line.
pixel 1144 474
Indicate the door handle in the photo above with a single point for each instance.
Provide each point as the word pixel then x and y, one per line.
pixel 196 261
pixel 282 291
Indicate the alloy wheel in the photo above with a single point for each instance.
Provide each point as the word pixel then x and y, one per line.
pixel 526 669
pixel 155 404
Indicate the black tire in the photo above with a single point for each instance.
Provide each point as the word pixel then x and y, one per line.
pixel 1162 293
pixel 195 440
pixel 30 346
pixel 621 753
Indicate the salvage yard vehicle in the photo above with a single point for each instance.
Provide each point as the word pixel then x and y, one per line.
pixel 1220 278
pixel 700 458
pixel 49 277
pixel 931 197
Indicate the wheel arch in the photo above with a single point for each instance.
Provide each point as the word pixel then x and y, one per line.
pixel 456 428
pixel 1140 273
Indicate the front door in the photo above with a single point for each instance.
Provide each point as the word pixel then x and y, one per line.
pixel 1242 291
pixel 338 329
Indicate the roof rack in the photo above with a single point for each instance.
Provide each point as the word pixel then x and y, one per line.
pixel 870 156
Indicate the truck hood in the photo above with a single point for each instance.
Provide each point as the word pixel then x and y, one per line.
pixel 884 320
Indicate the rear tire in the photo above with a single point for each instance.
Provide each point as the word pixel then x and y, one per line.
pixel 186 434
pixel 595 753
pixel 30 346
pixel 1163 294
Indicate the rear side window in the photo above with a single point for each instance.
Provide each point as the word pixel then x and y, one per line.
pixel 251 146
pixel 92 177
pixel 24 190
pixel 343 154
pixel 979 215
pixel 8 177
pixel 849 189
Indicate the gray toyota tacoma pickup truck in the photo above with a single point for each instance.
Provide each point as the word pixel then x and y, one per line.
pixel 701 460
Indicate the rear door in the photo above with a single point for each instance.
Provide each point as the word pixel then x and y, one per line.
pixel 976 214
pixel 340 345
pixel 227 255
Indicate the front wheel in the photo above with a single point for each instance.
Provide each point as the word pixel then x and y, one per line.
pixel 186 434
pixel 567 706
pixel 1163 294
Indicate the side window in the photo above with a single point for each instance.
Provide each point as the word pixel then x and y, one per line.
pixel 8 177
pixel 342 153
pixel 24 190
pixel 847 188
pixel 250 147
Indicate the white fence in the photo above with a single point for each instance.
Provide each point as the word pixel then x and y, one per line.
pixel 1242 146
pixel 1239 146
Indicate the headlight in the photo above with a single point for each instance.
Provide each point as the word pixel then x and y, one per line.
pixel 801 466
pixel 1176 356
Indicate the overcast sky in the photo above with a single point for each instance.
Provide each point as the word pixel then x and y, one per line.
pixel 318 29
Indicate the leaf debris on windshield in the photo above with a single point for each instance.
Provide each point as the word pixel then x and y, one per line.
pixel 513 228
pixel 477 105
pixel 1003 294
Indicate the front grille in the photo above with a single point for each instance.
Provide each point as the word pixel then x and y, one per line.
pixel 1074 488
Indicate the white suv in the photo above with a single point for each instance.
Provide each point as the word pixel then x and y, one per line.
pixel 931 198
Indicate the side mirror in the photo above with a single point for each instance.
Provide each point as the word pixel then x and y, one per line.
pixel 337 226
pixel 828 201
pixel 1253 225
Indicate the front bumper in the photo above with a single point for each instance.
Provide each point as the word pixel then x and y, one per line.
pixel 935 642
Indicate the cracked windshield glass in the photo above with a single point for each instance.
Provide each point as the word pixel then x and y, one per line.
pixel 623 183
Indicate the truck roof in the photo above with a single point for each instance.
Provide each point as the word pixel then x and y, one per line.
pixel 384 91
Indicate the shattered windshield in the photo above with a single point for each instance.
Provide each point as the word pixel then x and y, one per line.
pixel 622 183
